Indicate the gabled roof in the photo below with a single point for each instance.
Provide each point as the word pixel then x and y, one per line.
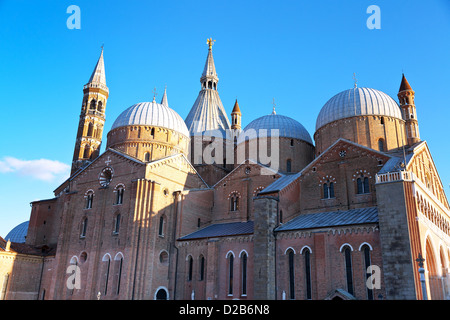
pixel 331 219
pixel 245 163
pixel 221 230
pixel 285 181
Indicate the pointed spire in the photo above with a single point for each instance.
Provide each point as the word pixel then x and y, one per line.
pixel 209 71
pixel 98 75
pixel 236 108
pixel 164 98
pixel 405 84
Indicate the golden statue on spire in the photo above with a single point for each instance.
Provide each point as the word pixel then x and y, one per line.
pixel 210 42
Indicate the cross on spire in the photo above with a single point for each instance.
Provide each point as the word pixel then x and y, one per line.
pixel 154 94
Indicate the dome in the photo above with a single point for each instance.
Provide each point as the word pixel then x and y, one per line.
pixel 18 233
pixel 289 128
pixel 151 114
pixel 357 102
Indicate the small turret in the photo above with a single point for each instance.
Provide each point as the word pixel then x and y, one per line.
pixel 406 98
pixel 236 117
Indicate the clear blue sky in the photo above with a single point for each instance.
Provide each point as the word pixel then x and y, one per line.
pixel 299 52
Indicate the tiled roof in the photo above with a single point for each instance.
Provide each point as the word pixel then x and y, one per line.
pixel 331 219
pixel 221 230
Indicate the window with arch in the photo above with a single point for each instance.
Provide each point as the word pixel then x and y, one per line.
pixel 90 132
pixel 106 266
pixel 162 219
pixel 100 106
pixel 234 201
pixel 89 199
pixel 366 256
pixel 118 262
pixel 362 184
pixel 291 266
pixel 347 250
pixel 190 268
pixel 93 104
pixel 328 190
pixel 288 165
pixel 307 257
pixel 147 157
pixel 202 268
pixel 83 228
pixel 120 189
pixel 86 152
pixel 230 258
pixel 380 144
pixel 244 273
pixel 116 224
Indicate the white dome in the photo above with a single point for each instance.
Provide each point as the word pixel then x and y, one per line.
pixel 151 114
pixel 288 128
pixel 357 102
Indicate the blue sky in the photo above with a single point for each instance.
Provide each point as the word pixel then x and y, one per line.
pixel 299 52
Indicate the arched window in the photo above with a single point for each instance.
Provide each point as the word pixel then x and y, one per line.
pixel 367 263
pixel 90 132
pixel 161 226
pixel 288 165
pixel 83 227
pixel 381 144
pixel 234 202
pixel 147 157
pixel 291 274
pixel 230 259
pixel 362 184
pixel 89 199
pixel 93 103
pixel 202 268
pixel 116 224
pixel 119 194
pixel 307 257
pixel 107 259
pixel 87 152
pixel 244 273
pixel 100 106
pixel 348 268
pixel 328 190
pixel 118 261
pixel 190 268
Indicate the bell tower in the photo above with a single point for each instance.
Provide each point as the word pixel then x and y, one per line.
pixel 92 118
pixel 236 117
pixel 406 98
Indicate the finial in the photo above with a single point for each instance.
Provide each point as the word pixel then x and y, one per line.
pixel 274 105
pixel 210 42
pixel 154 94
pixel 354 78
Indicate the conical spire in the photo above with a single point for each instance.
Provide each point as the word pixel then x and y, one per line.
pixel 208 113
pixel 98 75
pixel 405 84
pixel 236 108
pixel 209 71
pixel 164 98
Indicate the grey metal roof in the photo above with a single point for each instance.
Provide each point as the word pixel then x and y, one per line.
pixel 18 233
pixel 357 102
pixel 331 219
pixel 151 114
pixel 280 183
pixel 221 230
pixel 286 126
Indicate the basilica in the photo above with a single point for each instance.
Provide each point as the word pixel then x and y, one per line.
pixel 205 209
